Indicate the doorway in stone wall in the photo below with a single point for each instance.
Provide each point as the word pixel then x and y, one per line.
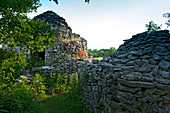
pixel 41 55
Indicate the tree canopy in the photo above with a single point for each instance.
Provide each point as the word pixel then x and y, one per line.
pixel 167 15
pixel 18 30
pixel 100 53
pixel 56 1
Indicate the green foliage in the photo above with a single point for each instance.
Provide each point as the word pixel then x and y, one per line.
pixel 41 36
pixel 11 67
pixel 56 1
pixel 74 101
pixel 16 98
pixel 18 30
pixel 38 85
pixel 21 6
pixel 61 85
pixel 65 83
pixel 50 80
pixel 33 62
pixel 71 102
pixel 101 52
pixel 152 27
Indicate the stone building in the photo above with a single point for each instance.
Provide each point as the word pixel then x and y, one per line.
pixel 67 43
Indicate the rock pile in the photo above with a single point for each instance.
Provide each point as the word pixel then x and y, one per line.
pixel 135 79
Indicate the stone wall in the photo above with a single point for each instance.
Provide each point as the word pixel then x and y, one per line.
pixel 135 79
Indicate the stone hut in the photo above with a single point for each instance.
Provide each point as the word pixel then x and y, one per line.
pixel 68 44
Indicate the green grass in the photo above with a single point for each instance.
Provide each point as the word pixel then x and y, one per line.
pixel 63 103
pixel 99 58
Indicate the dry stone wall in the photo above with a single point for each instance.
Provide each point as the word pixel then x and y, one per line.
pixel 135 79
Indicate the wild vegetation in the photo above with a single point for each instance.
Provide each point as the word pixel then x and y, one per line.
pixel 18 30
pixel 25 96
pixel 101 52
pixel 152 27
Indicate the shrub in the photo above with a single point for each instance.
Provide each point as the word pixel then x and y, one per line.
pixel 60 83
pixel 11 66
pixel 33 62
pixel 152 27
pixel 16 98
pixel 38 86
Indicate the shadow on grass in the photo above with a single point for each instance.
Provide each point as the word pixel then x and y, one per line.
pixel 64 103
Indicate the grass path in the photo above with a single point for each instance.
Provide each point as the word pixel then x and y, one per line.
pixel 61 104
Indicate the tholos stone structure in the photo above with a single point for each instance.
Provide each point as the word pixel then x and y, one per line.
pixel 135 79
pixel 67 43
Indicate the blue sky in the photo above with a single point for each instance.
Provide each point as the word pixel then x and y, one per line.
pixel 106 23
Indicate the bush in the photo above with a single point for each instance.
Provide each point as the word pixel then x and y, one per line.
pixel 100 53
pixel 33 62
pixel 38 86
pixel 60 83
pixel 152 27
pixel 11 66
pixel 16 98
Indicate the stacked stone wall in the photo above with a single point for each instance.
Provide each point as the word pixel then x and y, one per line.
pixel 70 49
pixel 135 79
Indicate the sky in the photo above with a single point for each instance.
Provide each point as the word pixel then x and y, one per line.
pixel 106 23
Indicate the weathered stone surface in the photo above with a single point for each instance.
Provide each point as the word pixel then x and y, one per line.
pixel 126 89
pixel 164 64
pixel 148 50
pixel 163 81
pixel 137 84
pixel 132 57
pixel 161 86
pixel 138 80
pixel 122 55
pixel 145 68
pixel 139 52
pixel 156 57
pixel 106 58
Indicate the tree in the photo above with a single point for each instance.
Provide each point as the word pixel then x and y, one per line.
pixel 167 15
pixel 56 1
pixel 152 27
pixel 18 30
pixel 111 50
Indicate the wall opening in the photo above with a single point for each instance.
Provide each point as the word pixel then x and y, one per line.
pixel 41 55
